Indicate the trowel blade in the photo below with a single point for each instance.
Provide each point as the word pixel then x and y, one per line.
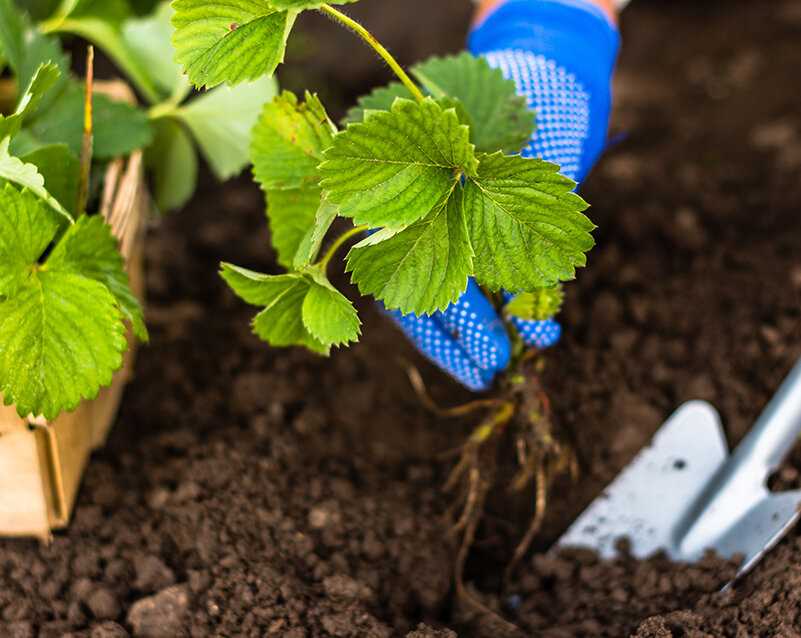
pixel 760 528
pixel 651 497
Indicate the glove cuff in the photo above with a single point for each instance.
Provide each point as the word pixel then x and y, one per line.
pixel 574 33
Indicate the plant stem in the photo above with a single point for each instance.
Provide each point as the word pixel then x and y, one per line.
pixel 86 139
pixel 162 109
pixel 329 255
pixel 171 106
pixel 368 37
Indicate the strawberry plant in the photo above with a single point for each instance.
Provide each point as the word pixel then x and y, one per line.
pixel 427 171
pixel 65 299
pixel 424 168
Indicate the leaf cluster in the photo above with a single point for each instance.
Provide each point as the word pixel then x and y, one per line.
pixel 45 128
pixel 65 298
pixel 64 293
pixel 217 124
pixel 301 307
pixel 437 209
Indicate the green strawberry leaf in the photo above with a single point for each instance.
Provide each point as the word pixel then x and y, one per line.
pixel 305 4
pixel 45 77
pixel 148 41
pixel 26 50
pixel 500 118
pixel 381 99
pixel 328 319
pixel 15 170
pixel 537 305
pixel 102 23
pixel 222 119
pixel 281 322
pixel 41 49
pixel 229 41
pixel 12 34
pixel 397 166
pixel 421 269
pixel 62 334
pixel 62 339
pixel 327 314
pixel 288 142
pixel 526 224
pixel 119 128
pixel 26 230
pixel 88 248
pixel 60 168
pixel 291 213
pixel 310 243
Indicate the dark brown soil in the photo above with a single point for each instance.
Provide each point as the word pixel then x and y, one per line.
pixel 255 492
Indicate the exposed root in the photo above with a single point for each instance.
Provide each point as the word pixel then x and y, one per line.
pixel 419 387
pixel 541 458
pixel 524 412
pixel 475 474
pixel 540 504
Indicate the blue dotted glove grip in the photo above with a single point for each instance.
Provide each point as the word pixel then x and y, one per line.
pixel 561 55
pixel 468 340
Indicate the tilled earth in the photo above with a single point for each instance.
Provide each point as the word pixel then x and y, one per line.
pixel 255 492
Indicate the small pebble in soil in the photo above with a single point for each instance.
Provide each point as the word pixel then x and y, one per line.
pixel 152 574
pixel 343 587
pixel 103 604
pixel 158 498
pixel 325 515
pixel 160 615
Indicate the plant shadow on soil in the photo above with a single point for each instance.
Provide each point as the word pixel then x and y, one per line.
pixel 255 492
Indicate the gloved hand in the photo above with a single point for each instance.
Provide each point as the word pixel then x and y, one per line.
pixel 561 55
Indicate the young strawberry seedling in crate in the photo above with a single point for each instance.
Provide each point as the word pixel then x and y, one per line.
pixel 428 173
pixel 47 233
pixel 67 218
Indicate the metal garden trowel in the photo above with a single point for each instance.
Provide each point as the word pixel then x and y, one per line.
pixel 685 494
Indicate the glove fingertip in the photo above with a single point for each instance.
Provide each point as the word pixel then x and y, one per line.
pixel 478 380
pixel 479 330
pixel 442 349
pixel 539 334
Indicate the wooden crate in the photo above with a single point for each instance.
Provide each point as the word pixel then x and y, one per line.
pixel 41 463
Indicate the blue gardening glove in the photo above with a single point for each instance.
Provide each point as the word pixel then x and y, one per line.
pixel 561 55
